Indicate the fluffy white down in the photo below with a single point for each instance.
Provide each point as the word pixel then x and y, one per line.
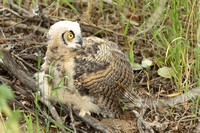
pixel 83 103
pixel 62 26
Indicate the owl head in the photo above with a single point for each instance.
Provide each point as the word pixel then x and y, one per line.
pixel 66 33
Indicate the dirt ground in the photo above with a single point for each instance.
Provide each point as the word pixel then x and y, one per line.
pixel 23 32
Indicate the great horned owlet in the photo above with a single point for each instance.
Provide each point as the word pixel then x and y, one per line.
pixel 91 74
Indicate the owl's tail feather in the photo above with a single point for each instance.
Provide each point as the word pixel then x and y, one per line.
pixel 131 99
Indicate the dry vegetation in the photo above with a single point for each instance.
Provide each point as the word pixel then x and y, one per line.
pixel 165 32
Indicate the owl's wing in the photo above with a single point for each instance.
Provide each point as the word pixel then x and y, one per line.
pixel 102 71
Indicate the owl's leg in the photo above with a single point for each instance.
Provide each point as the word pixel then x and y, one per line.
pixel 46 90
pixel 44 87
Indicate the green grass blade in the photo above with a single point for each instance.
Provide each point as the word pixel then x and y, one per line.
pixel 71 6
pixel 29 123
pixel 60 125
pixel 127 25
pixel 37 123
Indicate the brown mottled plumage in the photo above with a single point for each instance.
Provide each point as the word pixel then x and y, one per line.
pixel 93 76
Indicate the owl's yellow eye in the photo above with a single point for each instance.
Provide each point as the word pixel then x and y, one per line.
pixel 70 36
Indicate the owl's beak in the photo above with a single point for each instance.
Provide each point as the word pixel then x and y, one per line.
pixel 80 41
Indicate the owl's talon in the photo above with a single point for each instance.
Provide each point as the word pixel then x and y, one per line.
pixel 83 112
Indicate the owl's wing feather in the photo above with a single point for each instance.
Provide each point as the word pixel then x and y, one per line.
pixel 103 71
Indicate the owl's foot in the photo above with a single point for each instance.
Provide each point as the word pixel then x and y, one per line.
pixel 83 112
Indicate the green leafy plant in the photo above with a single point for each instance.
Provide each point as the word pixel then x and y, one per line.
pixel 11 124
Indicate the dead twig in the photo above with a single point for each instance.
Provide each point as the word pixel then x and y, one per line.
pixel 14 68
pixel 19 8
pixel 94 123
pixel 185 117
pixel 26 63
pixel 72 118
pixel 33 33
pixel 53 112
pixel 171 102
pixel 15 87
pixel 30 57
pixel 141 122
pixel 11 11
pixel 197 129
pixel 24 26
pixel 11 26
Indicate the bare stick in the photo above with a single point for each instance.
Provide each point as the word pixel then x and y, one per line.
pixel 19 8
pixel 26 63
pixel 72 118
pixel 16 88
pixel 171 102
pixel 197 129
pixel 95 123
pixel 53 112
pixel 14 68
pixel 141 122
pixel 24 26
pixel 11 11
